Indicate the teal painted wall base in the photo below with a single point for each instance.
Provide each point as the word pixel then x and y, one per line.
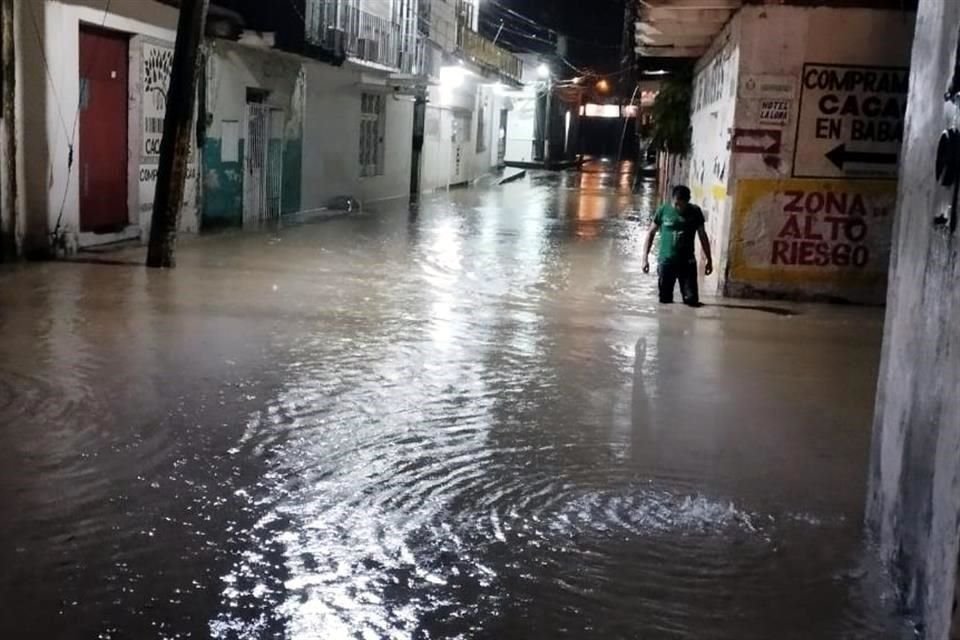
pixel 223 182
pixel 222 188
pixel 292 176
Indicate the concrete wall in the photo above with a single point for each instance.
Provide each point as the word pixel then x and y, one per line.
pixel 232 69
pixel 331 137
pixel 713 110
pixel 915 477
pixel 49 110
pixel 443 24
pixel 801 225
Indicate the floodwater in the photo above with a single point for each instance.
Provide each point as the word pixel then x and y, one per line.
pixel 466 421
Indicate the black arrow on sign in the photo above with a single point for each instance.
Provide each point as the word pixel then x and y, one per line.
pixel 840 156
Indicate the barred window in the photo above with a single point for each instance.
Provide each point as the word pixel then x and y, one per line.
pixel 372 125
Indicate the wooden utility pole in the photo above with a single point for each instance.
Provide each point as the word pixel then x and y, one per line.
pixel 177 134
pixel 419 128
pixel 9 223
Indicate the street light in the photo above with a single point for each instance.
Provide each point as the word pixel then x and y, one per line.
pixel 543 71
pixel 603 86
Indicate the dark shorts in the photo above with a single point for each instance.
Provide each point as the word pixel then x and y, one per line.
pixel 686 274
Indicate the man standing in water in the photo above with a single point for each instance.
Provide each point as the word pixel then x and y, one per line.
pixel 678 224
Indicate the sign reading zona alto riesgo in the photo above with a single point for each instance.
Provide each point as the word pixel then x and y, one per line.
pixel 851 121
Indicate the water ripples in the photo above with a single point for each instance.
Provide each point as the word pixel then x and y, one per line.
pixel 472 423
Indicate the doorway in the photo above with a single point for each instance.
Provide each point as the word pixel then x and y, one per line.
pixel 263 151
pixel 104 91
pixel 502 138
pixel 461 129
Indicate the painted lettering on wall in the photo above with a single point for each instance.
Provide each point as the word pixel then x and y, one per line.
pixel 713 80
pixel 851 121
pixel 157 65
pixel 795 231
pixel 148 185
pixel 775 112
pixel 825 229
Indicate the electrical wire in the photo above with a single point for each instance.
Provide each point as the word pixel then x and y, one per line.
pixel 69 134
pixel 493 25
pixel 46 68
pixel 515 14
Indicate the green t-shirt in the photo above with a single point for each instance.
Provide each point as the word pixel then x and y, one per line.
pixel 678 230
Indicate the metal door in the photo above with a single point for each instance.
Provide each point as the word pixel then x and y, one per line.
pixel 104 64
pixel 263 161
pixel 502 138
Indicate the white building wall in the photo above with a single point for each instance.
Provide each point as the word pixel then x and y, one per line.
pixel 713 109
pixel 441 140
pixel 49 109
pixel 776 197
pixel 331 138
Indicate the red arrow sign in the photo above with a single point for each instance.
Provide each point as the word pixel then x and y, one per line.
pixel 766 141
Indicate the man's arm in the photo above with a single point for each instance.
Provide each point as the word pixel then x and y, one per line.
pixel 648 245
pixel 705 243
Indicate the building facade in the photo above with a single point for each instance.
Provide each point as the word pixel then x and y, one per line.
pixel 797 122
pixel 299 106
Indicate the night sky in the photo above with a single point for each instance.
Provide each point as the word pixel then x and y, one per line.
pixel 594 28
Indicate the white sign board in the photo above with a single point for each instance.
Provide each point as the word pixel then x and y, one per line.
pixel 851 121
pixel 775 111
pixel 768 86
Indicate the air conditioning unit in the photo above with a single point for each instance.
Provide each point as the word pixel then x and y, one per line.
pixel 368 49
pixel 334 42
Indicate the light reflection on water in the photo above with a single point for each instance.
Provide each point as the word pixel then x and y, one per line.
pixel 469 423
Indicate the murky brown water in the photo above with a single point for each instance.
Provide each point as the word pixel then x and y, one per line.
pixel 470 422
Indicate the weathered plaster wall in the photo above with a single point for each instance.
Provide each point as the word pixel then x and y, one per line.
pixel 231 70
pixel 811 80
pixel 49 107
pixel 443 24
pixel 713 108
pixel 331 137
pixel 914 502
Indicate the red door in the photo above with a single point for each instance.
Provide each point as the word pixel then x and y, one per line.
pixel 104 64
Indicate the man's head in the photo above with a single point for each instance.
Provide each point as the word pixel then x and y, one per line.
pixel 681 196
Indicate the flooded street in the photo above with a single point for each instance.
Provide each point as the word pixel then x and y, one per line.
pixel 468 421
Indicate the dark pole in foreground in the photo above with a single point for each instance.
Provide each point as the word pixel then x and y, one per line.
pixel 177 125
pixel 419 127
pixel 9 246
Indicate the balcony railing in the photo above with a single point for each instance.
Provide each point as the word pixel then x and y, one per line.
pixel 484 52
pixel 415 58
pixel 339 25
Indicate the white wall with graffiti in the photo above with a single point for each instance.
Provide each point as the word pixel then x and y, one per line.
pixel 151 61
pixel 813 150
pixel 713 108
